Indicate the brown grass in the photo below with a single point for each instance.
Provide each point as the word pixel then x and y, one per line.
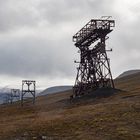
pixel 54 117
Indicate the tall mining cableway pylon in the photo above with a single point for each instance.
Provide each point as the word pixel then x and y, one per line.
pixel 94 66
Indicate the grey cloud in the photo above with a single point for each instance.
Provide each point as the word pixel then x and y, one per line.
pixel 36 36
pixel 57 12
pixel 17 14
pixel 34 56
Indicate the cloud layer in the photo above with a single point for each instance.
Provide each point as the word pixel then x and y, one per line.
pixel 36 35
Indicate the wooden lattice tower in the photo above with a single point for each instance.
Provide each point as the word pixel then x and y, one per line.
pixel 28 88
pixel 94 67
pixel 15 95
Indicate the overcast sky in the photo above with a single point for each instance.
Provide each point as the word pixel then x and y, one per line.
pixel 36 38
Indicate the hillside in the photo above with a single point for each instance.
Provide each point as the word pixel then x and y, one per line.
pixel 54 117
pixel 129 83
pixel 55 89
pixel 127 73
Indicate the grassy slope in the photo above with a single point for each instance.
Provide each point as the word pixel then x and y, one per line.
pixel 114 118
pixel 129 83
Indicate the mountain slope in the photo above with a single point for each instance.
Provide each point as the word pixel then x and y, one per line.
pixel 127 73
pixel 54 116
pixel 4 97
pixel 55 89
pixel 129 83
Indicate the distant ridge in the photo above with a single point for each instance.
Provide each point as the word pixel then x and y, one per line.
pixel 55 89
pixel 3 97
pixel 127 73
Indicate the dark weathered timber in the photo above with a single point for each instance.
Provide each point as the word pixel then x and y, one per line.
pixel 94 66
pixel 15 95
pixel 28 87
